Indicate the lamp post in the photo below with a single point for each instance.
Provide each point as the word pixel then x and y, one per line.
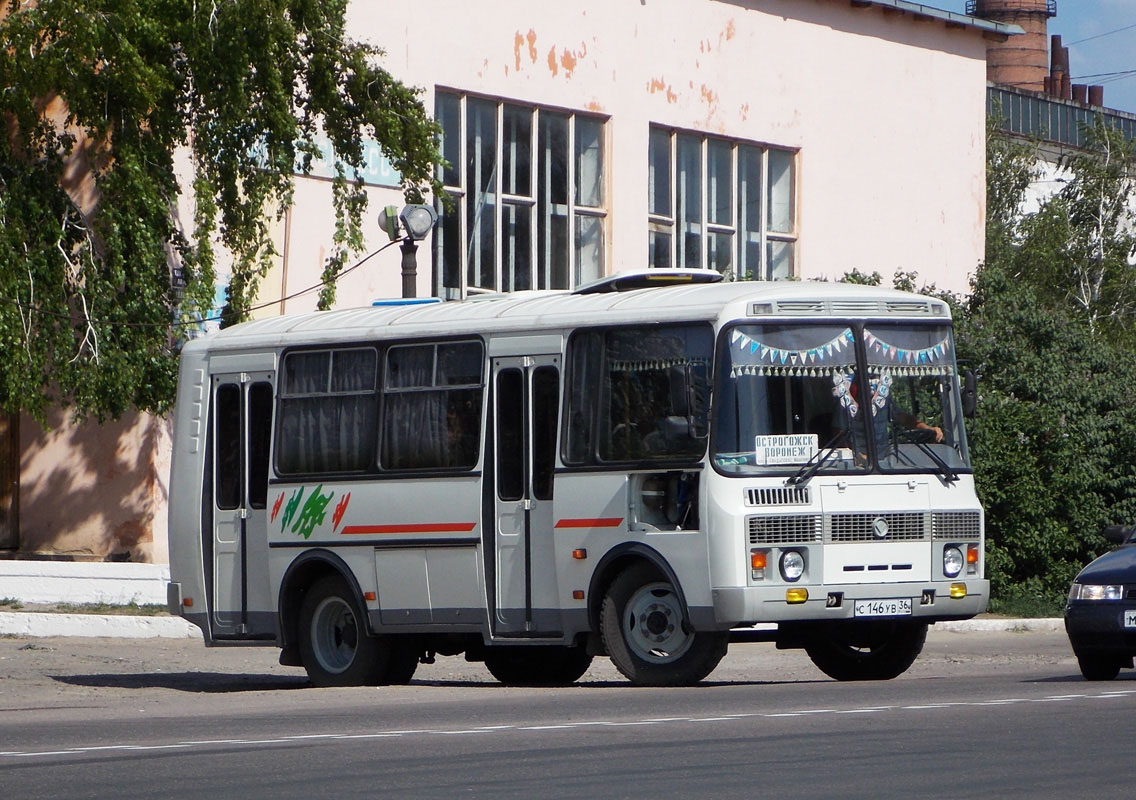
pixel 417 221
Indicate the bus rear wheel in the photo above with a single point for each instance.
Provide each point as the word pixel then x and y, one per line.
pixel 335 648
pixel 867 651
pixel 537 666
pixel 645 632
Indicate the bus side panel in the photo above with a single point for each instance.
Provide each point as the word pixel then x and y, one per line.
pixel 414 544
pixel 188 497
pixel 592 513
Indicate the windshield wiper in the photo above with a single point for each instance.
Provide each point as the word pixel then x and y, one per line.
pixel 822 456
pixel 949 475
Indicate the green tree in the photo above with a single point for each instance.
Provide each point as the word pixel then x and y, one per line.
pixel 1056 425
pixel 1075 249
pixel 94 296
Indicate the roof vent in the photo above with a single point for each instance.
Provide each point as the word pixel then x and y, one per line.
pixel 647 279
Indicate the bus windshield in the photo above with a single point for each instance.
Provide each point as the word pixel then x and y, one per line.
pixel 838 398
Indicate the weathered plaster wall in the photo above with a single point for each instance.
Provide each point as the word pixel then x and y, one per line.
pixel 887 112
pixel 95 491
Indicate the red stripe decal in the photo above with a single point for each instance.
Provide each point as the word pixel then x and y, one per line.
pixel 596 522
pixel 423 527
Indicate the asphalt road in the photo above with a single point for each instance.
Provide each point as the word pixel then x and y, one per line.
pixel 981 714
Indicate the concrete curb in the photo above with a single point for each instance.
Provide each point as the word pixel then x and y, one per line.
pixel 35 625
pixel 84 582
pixel 1047 625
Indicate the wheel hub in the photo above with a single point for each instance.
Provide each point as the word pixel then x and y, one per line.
pixel 655 630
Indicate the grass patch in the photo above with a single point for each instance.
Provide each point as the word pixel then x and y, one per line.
pixel 1027 607
pixel 127 609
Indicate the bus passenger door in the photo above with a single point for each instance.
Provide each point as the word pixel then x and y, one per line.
pixel 526 393
pixel 241 604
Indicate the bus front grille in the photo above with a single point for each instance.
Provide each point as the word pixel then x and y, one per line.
pixel 958 525
pixel 779 496
pixel 787 529
pixel 892 527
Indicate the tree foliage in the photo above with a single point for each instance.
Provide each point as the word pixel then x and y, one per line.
pixel 95 292
pixel 1056 426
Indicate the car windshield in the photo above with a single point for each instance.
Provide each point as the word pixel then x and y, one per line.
pixel 804 398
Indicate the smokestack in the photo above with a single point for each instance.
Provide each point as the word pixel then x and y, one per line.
pixel 1080 93
pixel 1096 96
pixel 1020 61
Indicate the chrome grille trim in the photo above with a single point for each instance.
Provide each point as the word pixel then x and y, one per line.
pixel 902 527
pixel 779 496
pixel 784 529
pixel 957 525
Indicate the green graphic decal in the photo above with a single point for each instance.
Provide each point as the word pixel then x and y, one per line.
pixel 312 514
pixel 290 509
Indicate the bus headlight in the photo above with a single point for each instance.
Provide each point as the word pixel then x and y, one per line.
pixel 792 565
pixel 952 561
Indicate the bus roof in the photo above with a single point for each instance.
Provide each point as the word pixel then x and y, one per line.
pixel 526 310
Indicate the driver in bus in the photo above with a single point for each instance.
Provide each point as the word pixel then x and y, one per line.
pixel 880 404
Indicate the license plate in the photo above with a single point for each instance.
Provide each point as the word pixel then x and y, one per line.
pixel 893 607
pixel 1130 619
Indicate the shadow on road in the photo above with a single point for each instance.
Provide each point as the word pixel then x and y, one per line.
pixel 215 682
pixel 1123 677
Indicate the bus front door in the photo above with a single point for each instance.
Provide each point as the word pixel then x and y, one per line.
pixel 526 392
pixel 240 602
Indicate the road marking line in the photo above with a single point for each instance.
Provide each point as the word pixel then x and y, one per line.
pixel 329 737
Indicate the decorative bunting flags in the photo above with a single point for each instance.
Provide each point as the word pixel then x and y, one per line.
pixel 899 355
pixel 813 355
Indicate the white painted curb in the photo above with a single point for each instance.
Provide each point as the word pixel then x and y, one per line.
pixel 84 582
pixel 1044 625
pixel 33 624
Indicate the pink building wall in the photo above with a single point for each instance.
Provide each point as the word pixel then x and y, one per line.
pixel 886 109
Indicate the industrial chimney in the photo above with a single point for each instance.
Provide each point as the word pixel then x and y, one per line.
pixel 1021 61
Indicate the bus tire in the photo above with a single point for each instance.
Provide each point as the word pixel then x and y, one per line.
pixel 537 666
pixel 644 630
pixel 335 647
pixel 867 651
pixel 402 663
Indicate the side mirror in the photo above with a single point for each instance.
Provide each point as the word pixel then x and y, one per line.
pixel 1118 534
pixel 970 394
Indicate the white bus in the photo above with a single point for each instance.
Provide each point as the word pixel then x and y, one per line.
pixel 646 468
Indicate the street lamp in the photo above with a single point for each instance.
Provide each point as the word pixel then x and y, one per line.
pixel 417 221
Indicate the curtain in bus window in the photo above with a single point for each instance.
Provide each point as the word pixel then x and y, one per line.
pixel 432 406
pixel 582 388
pixel 327 412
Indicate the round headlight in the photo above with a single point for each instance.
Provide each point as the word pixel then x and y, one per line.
pixel 952 562
pixel 792 565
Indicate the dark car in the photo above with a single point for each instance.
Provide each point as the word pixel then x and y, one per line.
pixel 1100 614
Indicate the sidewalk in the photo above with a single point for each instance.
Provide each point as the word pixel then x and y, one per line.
pixel 46 582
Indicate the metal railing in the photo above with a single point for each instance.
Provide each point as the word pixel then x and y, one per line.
pixel 1011 5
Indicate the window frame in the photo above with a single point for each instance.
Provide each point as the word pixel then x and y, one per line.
pixel 666 223
pixel 579 397
pixel 453 280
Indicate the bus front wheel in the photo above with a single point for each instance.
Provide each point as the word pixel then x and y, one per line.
pixel 867 651
pixel 644 629
pixel 335 647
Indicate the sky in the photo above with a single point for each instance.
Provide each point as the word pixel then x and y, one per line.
pixel 1101 37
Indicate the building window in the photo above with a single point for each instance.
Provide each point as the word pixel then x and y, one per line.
pixel 720 204
pixel 527 194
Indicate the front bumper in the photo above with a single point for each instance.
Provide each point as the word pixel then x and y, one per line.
pixel 1098 627
pixel 931 601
